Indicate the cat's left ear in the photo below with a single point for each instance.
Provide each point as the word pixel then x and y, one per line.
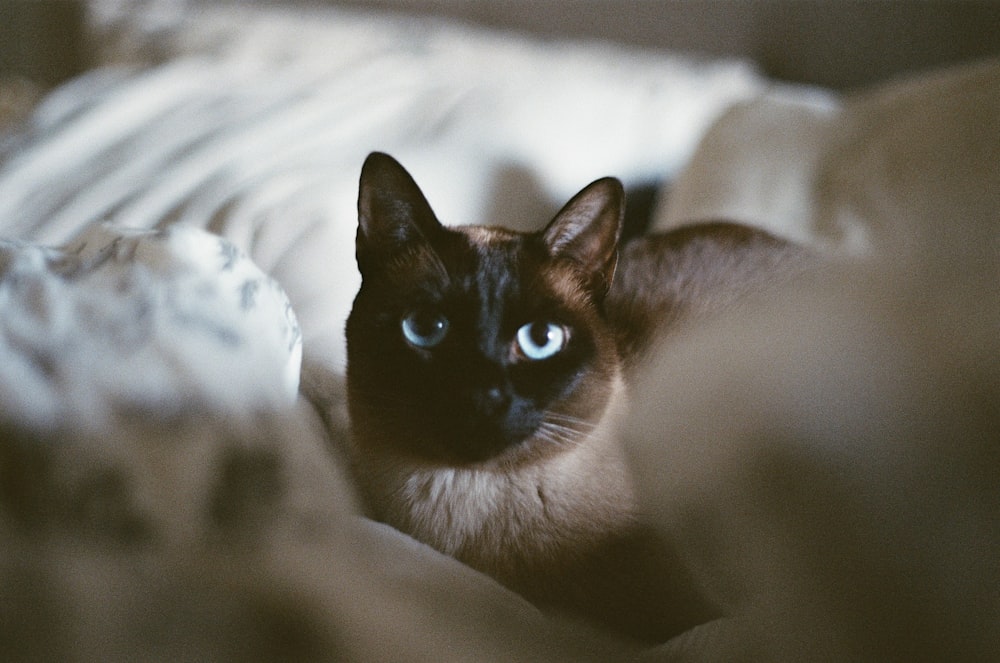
pixel 587 229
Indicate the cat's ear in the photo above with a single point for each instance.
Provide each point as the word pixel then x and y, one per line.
pixel 392 211
pixel 587 229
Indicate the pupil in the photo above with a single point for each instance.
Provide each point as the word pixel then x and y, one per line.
pixel 427 325
pixel 540 334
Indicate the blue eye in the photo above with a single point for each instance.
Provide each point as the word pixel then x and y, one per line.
pixel 424 329
pixel 541 340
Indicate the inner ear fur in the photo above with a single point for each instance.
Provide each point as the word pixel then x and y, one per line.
pixel 587 231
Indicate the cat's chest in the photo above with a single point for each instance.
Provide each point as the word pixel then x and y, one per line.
pixel 575 496
pixel 452 508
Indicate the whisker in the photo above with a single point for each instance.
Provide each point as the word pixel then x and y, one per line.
pixel 569 421
pixel 557 435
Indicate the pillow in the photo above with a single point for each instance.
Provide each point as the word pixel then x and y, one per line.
pixel 888 164
pixel 124 321
pixel 757 165
pixel 912 158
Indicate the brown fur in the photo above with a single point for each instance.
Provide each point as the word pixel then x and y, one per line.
pixel 552 515
pixel 673 279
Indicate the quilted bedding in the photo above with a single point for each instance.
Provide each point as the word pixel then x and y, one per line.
pixel 170 485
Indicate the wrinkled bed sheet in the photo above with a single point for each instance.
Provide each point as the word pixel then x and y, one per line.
pixel 180 498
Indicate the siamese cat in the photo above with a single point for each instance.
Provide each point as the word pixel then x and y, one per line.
pixel 488 371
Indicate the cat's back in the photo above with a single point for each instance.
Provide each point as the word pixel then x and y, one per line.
pixel 667 280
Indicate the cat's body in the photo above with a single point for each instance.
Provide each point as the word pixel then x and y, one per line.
pixel 487 374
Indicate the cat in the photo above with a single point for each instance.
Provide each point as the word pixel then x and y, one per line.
pixel 487 374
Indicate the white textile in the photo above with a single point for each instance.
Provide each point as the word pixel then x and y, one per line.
pixel 125 321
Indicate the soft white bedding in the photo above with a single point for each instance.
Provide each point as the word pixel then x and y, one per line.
pixel 253 123
pixel 141 320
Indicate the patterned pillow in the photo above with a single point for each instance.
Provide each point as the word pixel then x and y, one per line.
pixel 151 320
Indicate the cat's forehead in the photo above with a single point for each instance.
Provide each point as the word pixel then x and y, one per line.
pixel 492 266
pixel 485 248
pixel 489 236
pixel 495 260
pixel 489 247
pixel 452 259
pixel 497 245
pixel 511 266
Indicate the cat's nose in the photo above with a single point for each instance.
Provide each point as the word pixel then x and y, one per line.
pixel 492 401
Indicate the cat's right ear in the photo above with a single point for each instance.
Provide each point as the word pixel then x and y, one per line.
pixel 392 211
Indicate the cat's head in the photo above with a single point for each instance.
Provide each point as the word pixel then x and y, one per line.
pixel 469 344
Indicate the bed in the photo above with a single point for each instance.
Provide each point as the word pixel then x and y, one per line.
pixel 177 264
